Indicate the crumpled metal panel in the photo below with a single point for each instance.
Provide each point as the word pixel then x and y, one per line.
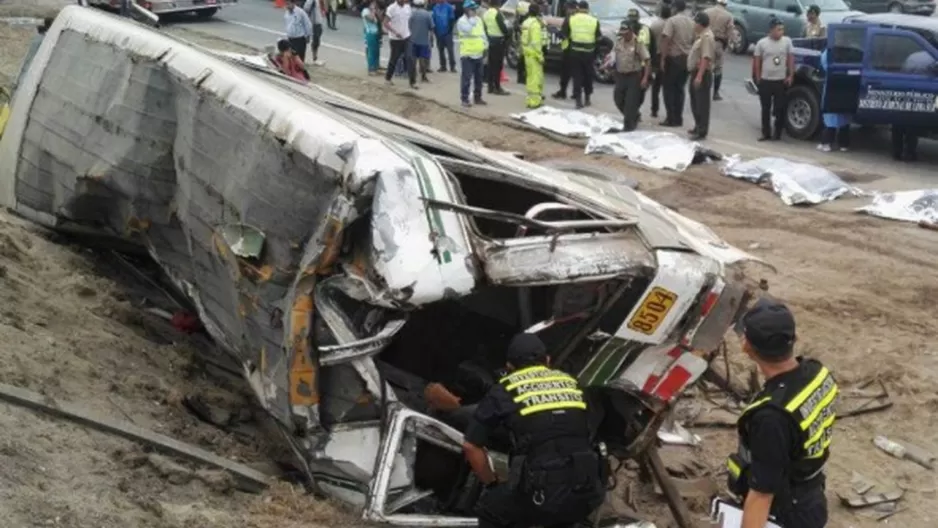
pixel 124 128
pixel 907 206
pixel 569 123
pixel 657 150
pixel 795 183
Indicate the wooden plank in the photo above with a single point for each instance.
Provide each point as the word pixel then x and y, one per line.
pixel 248 479
pixel 682 516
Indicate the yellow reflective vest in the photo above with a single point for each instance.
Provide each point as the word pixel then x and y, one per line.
pixel 644 37
pixel 532 37
pixel 583 32
pixel 472 44
pixel 490 19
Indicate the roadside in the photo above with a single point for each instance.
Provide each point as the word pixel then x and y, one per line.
pixel 862 288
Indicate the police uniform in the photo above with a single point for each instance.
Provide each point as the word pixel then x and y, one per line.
pixel 497 33
pixel 583 31
pixel 704 49
pixel 679 30
pixel 722 26
pixel 785 433
pixel 566 67
pixel 655 30
pixel 554 473
pixel 630 61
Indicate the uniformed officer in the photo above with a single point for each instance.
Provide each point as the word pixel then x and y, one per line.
pixel 677 37
pixel 521 14
pixel 644 33
pixel 555 473
pixel 632 69
pixel 583 31
pixel 722 26
pixel 532 49
pixel 814 28
pixel 497 32
pixel 700 65
pixel 657 26
pixel 773 69
pixel 569 9
pixel 785 433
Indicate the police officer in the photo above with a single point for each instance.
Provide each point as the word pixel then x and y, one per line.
pixel 700 65
pixel 569 9
pixel 814 28
pixel 555 478
pixel 773 68
pixel 583 31
pixel 677 37
pixel 721 24
pixel 664 12
pixel 785 433
pixel 632 69
pixel 498 35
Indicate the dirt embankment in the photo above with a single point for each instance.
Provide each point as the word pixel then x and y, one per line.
pixel 862 289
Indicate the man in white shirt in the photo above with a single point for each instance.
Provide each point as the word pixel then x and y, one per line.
pixel 397 26
pixel 298 27
pixel 314 10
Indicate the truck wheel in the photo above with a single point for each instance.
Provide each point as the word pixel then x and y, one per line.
pixel 599 74
pixel 206 13
pixel 803 113
pixel 739 43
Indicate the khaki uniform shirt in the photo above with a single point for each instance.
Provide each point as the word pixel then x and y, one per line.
pixel 815 30
pixel 630 56
pixel 680 29
pixel 655 29
pixel 721 23
pixel 704 48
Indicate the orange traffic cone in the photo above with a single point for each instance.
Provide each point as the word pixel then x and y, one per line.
pixel 280 4
pixel 504 78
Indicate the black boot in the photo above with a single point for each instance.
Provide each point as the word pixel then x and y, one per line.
pixel 717 81
pixel 559 94
pixel 587 101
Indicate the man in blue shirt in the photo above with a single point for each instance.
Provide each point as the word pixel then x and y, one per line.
pixel 299 28
pixel 444 19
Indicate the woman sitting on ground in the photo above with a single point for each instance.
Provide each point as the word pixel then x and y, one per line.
pixel 289 63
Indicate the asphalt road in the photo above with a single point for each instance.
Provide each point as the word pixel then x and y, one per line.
pixel 734 123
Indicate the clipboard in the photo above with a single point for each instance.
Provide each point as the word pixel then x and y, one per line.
pixel 729 515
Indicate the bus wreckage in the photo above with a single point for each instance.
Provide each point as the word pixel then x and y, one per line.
pixel 346 257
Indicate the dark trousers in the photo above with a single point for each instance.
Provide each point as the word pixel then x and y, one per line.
pixel 565 71
pixel 470 74
pixel 317 40
pixel 627 95
pixel 700 101
pixel 522 69
pixel 331 17
pixel 672 84
pixel 503 507
pixel 582 73
pixel 299 47
pixel 655 90
pixel 401 49
pixel 772 101
pixel 808 509
pixel 444 46
pixel 496 63
pixel 842 135
pixel 904 143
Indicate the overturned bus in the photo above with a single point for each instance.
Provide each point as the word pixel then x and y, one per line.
pixel 345 257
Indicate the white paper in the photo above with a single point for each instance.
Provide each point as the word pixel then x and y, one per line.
pixel 730 516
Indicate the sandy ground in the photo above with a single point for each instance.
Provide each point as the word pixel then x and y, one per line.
pixel 862 289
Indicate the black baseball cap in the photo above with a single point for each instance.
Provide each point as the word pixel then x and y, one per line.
pixel 583 4
pixel 702 18
pixel 769 327
pixel 775 22
pixel 526 349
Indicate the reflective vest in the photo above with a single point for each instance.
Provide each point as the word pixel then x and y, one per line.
pixel 490 18
pixel 472 44
pixel 644 37
pixel 809 402
pixel 583 32
pixel 532 36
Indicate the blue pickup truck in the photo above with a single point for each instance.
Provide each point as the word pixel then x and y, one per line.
pixel 882 70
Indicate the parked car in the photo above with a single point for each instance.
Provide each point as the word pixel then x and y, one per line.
pixel 883 69
pixel 910 7
pixel 610 13
pixel 343 257
pixel 752 18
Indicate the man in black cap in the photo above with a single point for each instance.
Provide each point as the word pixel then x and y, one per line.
pixel 555 475
pixel 785 433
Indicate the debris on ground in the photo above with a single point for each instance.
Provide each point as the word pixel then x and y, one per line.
pixel 569 123
pixel 920 206
pixel 794 182
pixel 655 150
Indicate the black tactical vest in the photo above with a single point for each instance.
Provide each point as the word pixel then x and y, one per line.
pixel 808 399
pixel 551 412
